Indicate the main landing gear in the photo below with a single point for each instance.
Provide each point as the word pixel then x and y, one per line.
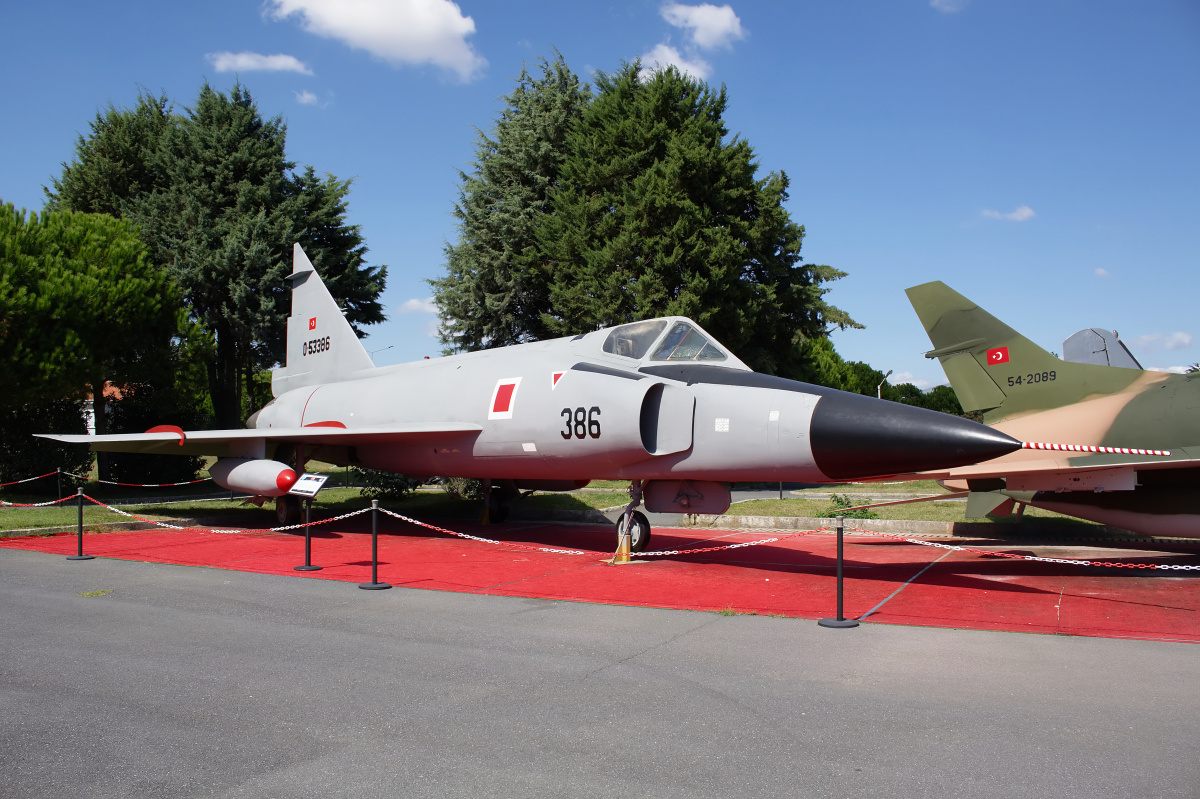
pixel 633 522
pixel 498 496
pixel 287 510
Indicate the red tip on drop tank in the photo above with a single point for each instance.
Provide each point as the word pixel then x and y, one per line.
pixel 286 479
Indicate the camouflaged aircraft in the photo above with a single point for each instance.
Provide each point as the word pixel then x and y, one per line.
pixel 1138 465
pixel 659 403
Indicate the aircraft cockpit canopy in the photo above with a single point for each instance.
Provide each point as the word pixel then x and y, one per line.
pixel 685 343
pixel 635 340
pixel 682 342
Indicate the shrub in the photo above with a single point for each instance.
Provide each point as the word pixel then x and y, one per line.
pixel 384 485
pixel 839 503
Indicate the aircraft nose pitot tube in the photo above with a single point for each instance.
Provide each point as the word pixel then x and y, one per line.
pixel 855 436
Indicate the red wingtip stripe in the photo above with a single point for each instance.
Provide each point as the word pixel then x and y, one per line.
pixel 326 424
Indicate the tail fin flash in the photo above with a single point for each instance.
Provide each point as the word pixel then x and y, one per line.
pixel 321 345
pixel 993 368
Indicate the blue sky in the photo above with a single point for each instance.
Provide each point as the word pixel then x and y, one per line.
pixel 1040 157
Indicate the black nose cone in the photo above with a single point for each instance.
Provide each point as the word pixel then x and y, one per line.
pixel 854 437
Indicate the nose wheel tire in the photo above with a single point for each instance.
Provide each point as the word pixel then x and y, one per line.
pixel 639 532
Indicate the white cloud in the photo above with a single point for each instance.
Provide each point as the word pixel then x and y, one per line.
pixel 664 55
pixel 949 6
pixel 256 62
pixel 417 305
pixel 1179 370
pixel 908 377
pixel 306 98
pixel 398 31
pixel 1164 341
pixel 1101 272
pixel 708 26
pixel 1019 215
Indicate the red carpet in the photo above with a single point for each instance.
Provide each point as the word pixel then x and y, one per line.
pixel 887 581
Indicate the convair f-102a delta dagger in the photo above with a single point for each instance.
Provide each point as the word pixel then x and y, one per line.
pixel 658 402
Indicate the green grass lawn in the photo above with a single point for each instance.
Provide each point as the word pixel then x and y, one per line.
pixel 338 498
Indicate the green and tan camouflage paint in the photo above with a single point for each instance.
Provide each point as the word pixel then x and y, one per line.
pixel 1030 394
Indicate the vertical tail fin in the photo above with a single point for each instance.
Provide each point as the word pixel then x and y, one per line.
pixel 321 345
pixel 993 368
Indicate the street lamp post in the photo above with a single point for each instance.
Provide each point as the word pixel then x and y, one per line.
pixel 879 388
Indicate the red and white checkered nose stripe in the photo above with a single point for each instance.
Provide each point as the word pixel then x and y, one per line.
pixel 1090 448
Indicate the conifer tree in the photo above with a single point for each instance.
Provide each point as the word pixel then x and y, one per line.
pixel 488 299
pixel 220 206
pixel 657 213
pixel 224 224
pixel 81 306
pixel 116 163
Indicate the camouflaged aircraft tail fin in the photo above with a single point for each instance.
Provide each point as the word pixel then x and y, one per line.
pixel 993 368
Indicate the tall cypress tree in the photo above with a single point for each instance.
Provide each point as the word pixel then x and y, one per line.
pixel 658 213
pixel 116 163
pixel 487 298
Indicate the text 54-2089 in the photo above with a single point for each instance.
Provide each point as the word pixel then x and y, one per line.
pixel 314 346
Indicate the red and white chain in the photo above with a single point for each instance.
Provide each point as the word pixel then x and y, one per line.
pixel 35 504
pixel 1090 448
pixel 87 479
pixel 728 546
pixel 211 530
pixel 484 540
pixel 28 479
pixel 1015 556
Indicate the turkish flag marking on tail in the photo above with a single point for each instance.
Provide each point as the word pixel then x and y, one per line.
pixel 998 355
pixel 312 323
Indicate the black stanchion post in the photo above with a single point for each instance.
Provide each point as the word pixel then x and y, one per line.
pixel 308 567
pixel 841 621
pixel 79 552
pixel 58 471
pixel 374 585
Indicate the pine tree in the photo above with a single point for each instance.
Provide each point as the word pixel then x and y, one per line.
pixel 488 299
pixel 224 225
pixel 81 306
pixel 658 213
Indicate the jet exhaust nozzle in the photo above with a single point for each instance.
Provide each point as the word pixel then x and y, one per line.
pixel 854 437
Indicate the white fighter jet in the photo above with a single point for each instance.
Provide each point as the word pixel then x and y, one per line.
pixel 658 402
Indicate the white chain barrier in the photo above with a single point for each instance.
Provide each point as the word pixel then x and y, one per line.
pixel 300 526
pixel 657 553
pixel 1015 556
pixel 87 479
pixel 29 479
pixel 484 540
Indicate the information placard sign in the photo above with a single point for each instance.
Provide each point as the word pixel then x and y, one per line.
pixel 309 484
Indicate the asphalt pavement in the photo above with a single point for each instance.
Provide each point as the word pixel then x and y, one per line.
pixel 123 679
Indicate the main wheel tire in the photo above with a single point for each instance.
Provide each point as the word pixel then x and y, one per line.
pixel 639 532
pixel 287 510
pixel 497 504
